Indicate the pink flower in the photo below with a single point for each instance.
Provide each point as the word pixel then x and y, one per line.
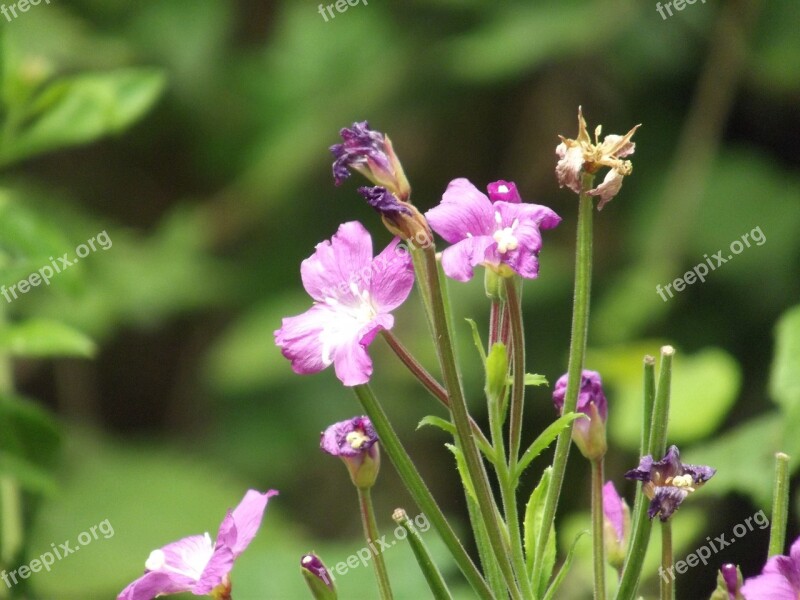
pixel 354 295
pixel 196 564
pixel 780 579
pixel 503 235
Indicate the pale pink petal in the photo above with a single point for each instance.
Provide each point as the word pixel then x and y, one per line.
pixel 345 258
pixel 379 323
pixel 608 189
pixel 154 583
pixel 392 277
pixel 352 363
pixel 463 210
pixel 768 587
pixel 217 568
pixel 241 524
pixel 568 168
pixel 299 339
pixel 525 263
pixel 459 260
pixel 612 508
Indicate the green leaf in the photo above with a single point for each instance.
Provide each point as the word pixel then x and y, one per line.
pixel 784 381
pixel 439 422
pixel 80 109
pixel 476 338
pixel 532 379
pixel 462 470
pixel 496 373
pixel 562 572
pixel 705 386
pixel 41 338
pixel 544 440
pixel 29 476
pixel 533 523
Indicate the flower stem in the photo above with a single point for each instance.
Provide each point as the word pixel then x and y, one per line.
pixel 371 535
pixel 598 547
pixel 458 408
pixel 656 444
pixel 577 351
pixel 418 490
pixel 649 398
pixel 780 505
pixel 667 583
pixel 432 574
pixel 518 389
pixel 429 381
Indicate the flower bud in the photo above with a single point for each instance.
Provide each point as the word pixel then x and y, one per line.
pixel 317 577
pixel 588 434
pixel 356 443
pixel 729 583
pixel 616 526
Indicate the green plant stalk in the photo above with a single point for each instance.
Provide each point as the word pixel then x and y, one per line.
pixel 458 408
pixel 411 478
pixel 371 536
pixel 641 525
pixel 577 352
pixel 428 381
pixel 780 505
pixel 432 574
pixel 667 583
pixel 508 484
pixel 598 545
pixel 649 399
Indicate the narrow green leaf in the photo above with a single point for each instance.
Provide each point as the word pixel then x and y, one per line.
pixel 543 441
pixel 784 384
pixel 562 572
pixel 462 470
pixel 532 379
pixel 29 476
pixel 80 109
pixel 533 522
pixel 43 338
pixel 439 422
pixel 476 338
pixel 496 373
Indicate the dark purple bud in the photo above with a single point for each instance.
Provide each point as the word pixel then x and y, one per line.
pixel 317 577
pixel 505 191
pixel 730 573
pixel 384 201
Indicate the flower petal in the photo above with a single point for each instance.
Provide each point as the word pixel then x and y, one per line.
pixel 244 521
pixel 155 583
pixel 768 587
pixel 217 568
pixel 337 263
pixel 612 509
pixel 666 501
pixel 392 277
pixel 608 189
pixel 352 363
pixel 568 168
pixel 463 210
pixel 378 324
pixel 459 260
pixel 503 190
pixel 299 339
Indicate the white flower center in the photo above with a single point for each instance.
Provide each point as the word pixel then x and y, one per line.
pixel 505 238
pixel 683 481
pixel 193 557
pixel 351 318
pixel 356 439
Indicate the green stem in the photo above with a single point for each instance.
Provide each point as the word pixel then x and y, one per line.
pixel 667 583
pixel 371 535
pixel 598 545
pixel 518 364
pixel 429 382
pixel 577 351
pixel 432 574
pixel 411 478
pixel 780 505
pixel 649 399
pixel 641 525
pixel 458 408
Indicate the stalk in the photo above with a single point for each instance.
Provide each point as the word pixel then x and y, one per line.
pixel 780 505
pixel 371 535
pixel 598 546
pixel 432 574
pixel 667 583
pixel 580 326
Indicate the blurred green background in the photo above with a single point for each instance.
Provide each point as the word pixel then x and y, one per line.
pixel 143 386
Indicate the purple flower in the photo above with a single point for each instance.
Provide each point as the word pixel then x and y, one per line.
pixel 668 482
pixel 503 236
pixel 780 579
pixel 196 564
pixel 370 153
pixel 354 295
pixel 505 191
pixel 616 525
pixel 588 434
pixel 580 155
pixel 356 443
pixel 731 582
